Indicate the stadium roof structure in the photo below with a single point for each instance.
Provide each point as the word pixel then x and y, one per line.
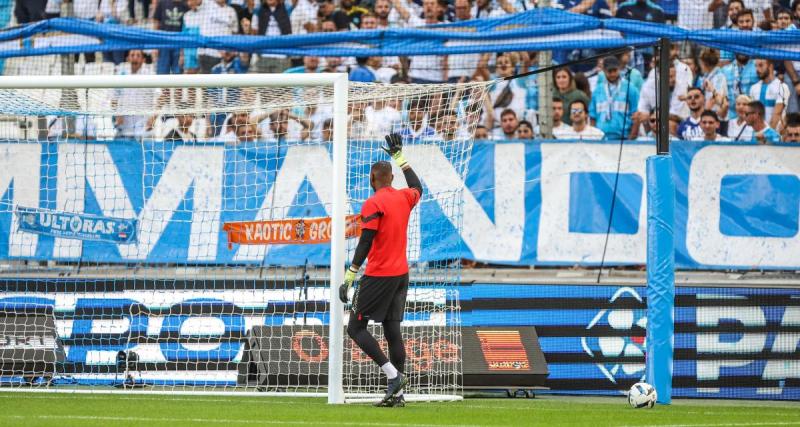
pixel 538 29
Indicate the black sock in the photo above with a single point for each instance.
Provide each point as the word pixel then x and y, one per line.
pixel 357 330
pixel 397 349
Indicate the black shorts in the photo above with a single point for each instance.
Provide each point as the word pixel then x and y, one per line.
pixel 381 298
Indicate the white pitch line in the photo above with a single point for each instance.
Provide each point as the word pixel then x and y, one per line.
pixel 261 401
pixel 215 421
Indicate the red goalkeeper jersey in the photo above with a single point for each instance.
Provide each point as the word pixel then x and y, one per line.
pixel 387 212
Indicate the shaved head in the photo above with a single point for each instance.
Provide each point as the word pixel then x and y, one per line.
pixel 380 175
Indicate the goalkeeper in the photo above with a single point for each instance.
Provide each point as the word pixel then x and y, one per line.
pixel 381 295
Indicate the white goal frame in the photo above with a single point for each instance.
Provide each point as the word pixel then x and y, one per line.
pixel 340 84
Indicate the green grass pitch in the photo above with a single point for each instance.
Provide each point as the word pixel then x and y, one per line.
pixel 62 410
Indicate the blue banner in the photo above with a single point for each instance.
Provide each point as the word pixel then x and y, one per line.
pixel 76 226
pixel 730 342
pixel 525 203
pixel 533 30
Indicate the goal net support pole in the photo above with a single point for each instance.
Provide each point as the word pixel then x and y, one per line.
pixel 661 246
pixel 335 374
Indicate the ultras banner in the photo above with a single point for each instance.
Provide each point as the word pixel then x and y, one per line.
pixel 525 203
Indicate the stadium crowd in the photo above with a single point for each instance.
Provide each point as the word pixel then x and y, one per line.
pixel 716 95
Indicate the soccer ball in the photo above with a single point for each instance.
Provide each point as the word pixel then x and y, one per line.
pixel 642 395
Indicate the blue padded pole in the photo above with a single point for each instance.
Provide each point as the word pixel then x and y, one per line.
pixel 660 275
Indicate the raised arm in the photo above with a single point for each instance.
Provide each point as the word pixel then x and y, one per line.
pixel 394 148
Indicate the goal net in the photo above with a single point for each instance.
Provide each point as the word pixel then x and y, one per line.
pixel 176 234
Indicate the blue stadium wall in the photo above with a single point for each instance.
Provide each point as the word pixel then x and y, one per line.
pixel 729 342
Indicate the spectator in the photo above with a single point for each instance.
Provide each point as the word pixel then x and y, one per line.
pixel 484 9
pixel 310 65
pixel 181 131
pixel 230 63
pixel 387 16
pixel 582 84
pixel 762 132
pixel 327 11
pixel 51 10
pixel 565 90
pixel 762 10
pixel 734 8
pixel 369 21
pixel 133 99
pixel 695 14
pixel 770 92
pixel 574 6
pixel 792 132
pixel 27 11
pixel 581 129
pixel 558 114
pixel 689 128
pixel 427 68
pixel 211 18
pixel 525 130
pixel 354 12
pixel 367 69
pixel 610 107
pixel 244 14
pixel 461 67
pixel 744 22
pixel 111 12
pixel 741 76
pixel 168 16
pixel 738 129
pixel 784 20
pixel 683 81
pixel 631 74
pixel 714 84
pixel 247 132
pixel 508 125
pixel 333 64
pixel 272 19
pixel 281 126
pixel 446 125
pixel 674 122
pixel 641 10
pixel 327 131
pixel 647 101
pixel 709 124
pixel 417 126
pixel 132 9
pixel 648 126
pixel 481 133
pixel 796 10
pixel 604 9
pixel 328 26
pixel 510 93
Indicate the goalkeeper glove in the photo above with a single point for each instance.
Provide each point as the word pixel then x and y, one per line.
pixel 394 149
pixel 349 278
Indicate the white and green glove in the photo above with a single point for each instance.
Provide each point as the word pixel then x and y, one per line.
pixel 349 278
pixel 394 147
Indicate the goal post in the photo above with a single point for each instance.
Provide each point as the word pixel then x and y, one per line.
pixel 190 232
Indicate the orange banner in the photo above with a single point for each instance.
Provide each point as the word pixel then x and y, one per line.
pixel 288 231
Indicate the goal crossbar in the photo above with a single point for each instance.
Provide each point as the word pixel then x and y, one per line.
pixel 170 81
